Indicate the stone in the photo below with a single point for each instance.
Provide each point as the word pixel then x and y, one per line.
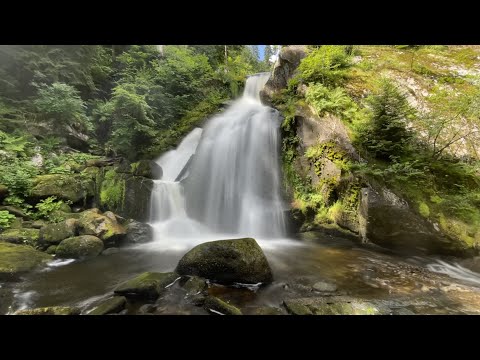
pixel 220 306
pixel 147 168
pixel 56 232
pixel 104 227
pixel 138 232
pixel 20 236
pixel 110 251
pixel 52 310
pixel 148 285
pixel 268 310
pixel 110 306
pixel 194 285
pixel 80 247
pixel 51 249
pixel 38 224
pixel 323 286
pixel 227 261
pixel 147 309
pixel 334 305
pixel 71 187
pixel 18 259
pixel 15 211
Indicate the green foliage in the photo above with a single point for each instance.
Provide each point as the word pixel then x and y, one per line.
pixel 386 135
pixel 326 64
pixel 423 209
pixel 47 208
pixel 17 175
pixel 5 219
pixel 60 104
pixel 14 144
pixel 112 193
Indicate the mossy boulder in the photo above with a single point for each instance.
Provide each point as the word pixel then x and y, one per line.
pixel 51 249
pixel 216 306
pixel 334 305
pixel 15 211
pixel 52 310
pixel 55 233
pixel 227 261
pixel 147 168
pixel 124 194
pixel 38 224
pixel 110 306
pixel 18 259
pixel 138 232
pixel 21 236
pixel 268 310
pixel 194 285
pixel 80 247
pixel 149 285
pixel 73 187
pixel 104 227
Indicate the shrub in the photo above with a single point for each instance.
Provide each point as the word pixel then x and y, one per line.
pixel 5 219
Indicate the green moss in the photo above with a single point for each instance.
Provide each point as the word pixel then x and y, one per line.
pixel 21 236
pixel 436 199
pixel 53 310
pixel 17 259
pixel 331 151
pixel 112 190
pixel 423 209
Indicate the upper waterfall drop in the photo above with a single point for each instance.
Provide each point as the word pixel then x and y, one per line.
pixel 224 181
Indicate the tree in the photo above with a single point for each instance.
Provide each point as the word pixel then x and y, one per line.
pixel 267 55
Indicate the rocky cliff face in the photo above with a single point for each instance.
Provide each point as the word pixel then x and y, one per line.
pixel 318 152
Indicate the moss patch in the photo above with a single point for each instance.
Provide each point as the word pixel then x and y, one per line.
pixel 17 259
pixel 112 190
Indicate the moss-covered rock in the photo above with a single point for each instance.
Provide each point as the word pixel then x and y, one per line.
pixel 18 259
pixel 148 169
pixel 52 310
pixel 21 236
pixel 227 261
pixel 194 285
pixel 104 227
pixel 138 232
pixel 55 233
pixel 215 305
pixel 15 211
pixel 38 224
pixel 80 247
pixel 51 249
pixel 124 194
pixel 334 305
pixel 110 306
pixel 268 310
pixel 73 187
pixel 148 285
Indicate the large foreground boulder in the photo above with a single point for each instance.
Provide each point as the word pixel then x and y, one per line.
pixel 79 247
pixel 149 285
pixel 227 261
pixel 18 259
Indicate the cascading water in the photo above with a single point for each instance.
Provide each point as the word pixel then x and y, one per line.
pixel 224 181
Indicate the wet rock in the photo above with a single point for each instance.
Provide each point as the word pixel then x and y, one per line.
pixel 138 232
pixel 110 251
pixel 147 309
pixel 18 259
pixel 402 311
pixel 80 247
pixel 227 261
pixel 323 286
pixel 215 304
pixel 55 233
pixel 104 227
pixel 268 310
pixel 335 305
pixel 110 306
pixel 15 211
pixel 194 285
pixel 197 300
pixel 20 236
pixel 52 310
pixel 148 169
pixel 148 285
pixel 51 249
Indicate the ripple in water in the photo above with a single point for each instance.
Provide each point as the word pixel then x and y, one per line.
pixel 455 271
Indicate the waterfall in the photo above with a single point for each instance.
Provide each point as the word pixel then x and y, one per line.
pixel 224 181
